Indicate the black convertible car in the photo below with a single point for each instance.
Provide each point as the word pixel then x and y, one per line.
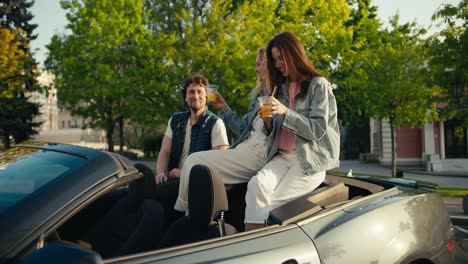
pixel 68 204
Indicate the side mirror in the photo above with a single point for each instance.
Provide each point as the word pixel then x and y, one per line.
pixel 62 252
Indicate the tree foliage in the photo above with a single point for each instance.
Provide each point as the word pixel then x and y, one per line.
pixel 105 63
pixel 350 72
pixel 449 54
pixel 16 15
pixel 128 60
pixel 12 60
pixel 217 38
pixel 221 39
pixel 211 37
pixel 18 71
pixel 16 119
pixel 397 85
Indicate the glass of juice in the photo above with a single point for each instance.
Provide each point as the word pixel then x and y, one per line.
pixel 265 108
pixel 211 92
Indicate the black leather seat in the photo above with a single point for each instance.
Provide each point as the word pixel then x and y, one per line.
pixel 207 202
pixel 133 224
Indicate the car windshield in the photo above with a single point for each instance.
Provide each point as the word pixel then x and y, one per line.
pixel 23 171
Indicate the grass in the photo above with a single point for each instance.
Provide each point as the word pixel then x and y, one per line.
pixel 452 192
pixel 144 158
pixel 444 191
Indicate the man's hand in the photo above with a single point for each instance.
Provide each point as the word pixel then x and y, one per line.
pixel 161 178
pixel 175 173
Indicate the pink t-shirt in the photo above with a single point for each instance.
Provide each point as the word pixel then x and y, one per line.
pixel 287 138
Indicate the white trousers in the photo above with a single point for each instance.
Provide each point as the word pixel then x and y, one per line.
pixel 281 180
pixel 236 165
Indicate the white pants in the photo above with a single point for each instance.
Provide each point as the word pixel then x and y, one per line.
pixel 281 180
pixel 236 165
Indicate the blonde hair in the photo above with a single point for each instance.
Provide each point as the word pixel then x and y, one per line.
pixel 262 84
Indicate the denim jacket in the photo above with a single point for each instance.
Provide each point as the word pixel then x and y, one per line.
pixel 241 127
pixel 314 120
pixel 200 135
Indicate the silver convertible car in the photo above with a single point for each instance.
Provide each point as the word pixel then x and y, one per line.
pixel 68 204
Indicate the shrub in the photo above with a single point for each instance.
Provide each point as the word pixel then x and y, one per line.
pixel 152 144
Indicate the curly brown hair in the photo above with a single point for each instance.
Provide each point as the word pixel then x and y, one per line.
pixel 196 78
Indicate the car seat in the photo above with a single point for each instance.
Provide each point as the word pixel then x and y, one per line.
pixel 133 224
pixel 207 202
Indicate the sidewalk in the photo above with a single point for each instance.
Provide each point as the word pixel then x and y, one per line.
pixel 441 179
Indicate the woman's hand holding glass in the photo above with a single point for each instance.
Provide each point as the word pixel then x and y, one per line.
pixel 273 106
pixel 219 103
pixel 277 108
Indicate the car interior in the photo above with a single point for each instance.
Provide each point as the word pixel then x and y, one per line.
pixel 128 220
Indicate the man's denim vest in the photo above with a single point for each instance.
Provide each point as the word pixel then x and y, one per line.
pixel 200 138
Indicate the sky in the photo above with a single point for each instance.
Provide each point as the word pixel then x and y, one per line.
pixel 51 18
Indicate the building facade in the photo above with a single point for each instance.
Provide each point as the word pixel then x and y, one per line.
pixel 435 146
pixel 58 123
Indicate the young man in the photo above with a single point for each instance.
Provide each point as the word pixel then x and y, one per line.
pixel 187 132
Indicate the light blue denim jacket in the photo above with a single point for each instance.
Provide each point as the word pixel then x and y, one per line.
pixel 241 127
pixel 314 120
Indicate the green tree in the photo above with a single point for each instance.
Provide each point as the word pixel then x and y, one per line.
pixel 449 59
pixel 17 15
pixel 350 76
pixel 18 71
pixel 104 65
pixel 397 87
pixel 12 60
pixel 350 72
pixel 221 38
pixel 321 26
pixel 16 119
pixel 217 38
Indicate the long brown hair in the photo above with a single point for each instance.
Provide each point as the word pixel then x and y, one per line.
pixel 262 84
pixel 298 64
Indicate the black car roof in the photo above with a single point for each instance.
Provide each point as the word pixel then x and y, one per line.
pixel 19 223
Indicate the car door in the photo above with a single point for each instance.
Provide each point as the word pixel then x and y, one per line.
pixel 272 245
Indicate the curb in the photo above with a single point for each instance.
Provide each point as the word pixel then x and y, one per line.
pixel 442 174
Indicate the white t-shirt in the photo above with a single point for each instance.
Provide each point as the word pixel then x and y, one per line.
pixel 218 137
pixel 258 131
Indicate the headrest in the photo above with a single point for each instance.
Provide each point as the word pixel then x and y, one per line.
pixel 143 187
pixel 206 196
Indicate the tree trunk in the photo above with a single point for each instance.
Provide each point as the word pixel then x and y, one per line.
pixel 110 140
pixel 392 135
pixel 121 134
pixel 6 140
